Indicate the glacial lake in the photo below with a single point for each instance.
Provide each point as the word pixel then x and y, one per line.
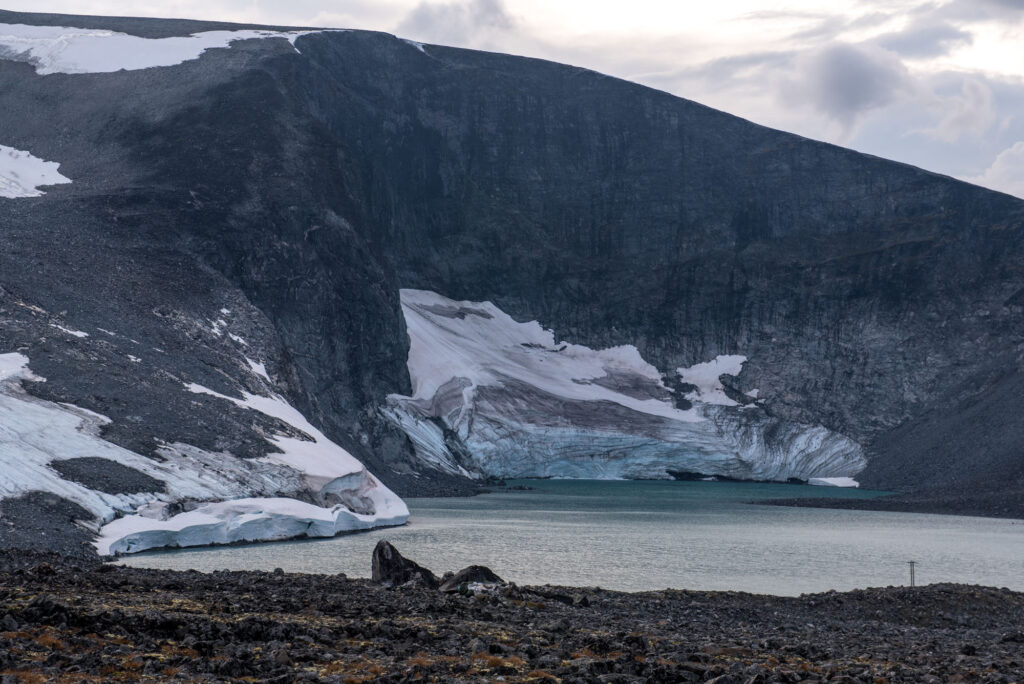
pixel 637 536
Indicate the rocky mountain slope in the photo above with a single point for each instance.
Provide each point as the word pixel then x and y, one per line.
pixel 260 214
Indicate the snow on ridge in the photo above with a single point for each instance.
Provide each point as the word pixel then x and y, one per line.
pixel 22 174
pixel 67 50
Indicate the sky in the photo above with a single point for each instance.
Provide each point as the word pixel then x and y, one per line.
pixel 937 84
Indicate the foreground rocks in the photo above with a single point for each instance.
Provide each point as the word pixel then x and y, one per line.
pixel 103 623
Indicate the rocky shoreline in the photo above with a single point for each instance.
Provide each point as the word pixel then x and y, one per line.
pixel 63 620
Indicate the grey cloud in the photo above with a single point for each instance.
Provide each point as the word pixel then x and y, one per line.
pixel 928 39
pixel 832 27
pixel 726 72
pixel 826 28
pixel 783 14
pixel 456 23
pixel 1010 11
pixel 844 81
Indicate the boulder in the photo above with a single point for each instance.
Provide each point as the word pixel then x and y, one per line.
pixel 473 574
pixel 392 568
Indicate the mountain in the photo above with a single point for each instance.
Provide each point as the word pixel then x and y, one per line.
pixel 317 266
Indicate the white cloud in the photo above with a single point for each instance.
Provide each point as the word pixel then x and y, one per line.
pixel 967 113
pixel 1006 173
pixel 469 23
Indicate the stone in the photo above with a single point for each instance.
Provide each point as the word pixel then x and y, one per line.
pixel 474 574
pixel 391 568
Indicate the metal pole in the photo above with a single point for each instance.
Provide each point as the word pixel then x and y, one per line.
pixel 912 564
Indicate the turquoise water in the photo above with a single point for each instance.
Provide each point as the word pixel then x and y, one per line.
pixel 637 536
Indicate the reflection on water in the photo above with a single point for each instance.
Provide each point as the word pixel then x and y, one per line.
pixel 637 536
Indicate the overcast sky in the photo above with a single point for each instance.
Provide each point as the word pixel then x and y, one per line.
pixel 936 84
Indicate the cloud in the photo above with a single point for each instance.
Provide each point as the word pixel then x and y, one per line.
pixel 729 72
pixel 1008 11
pixel 929 39
pixel 1006 173
pixel 845 81
pixel 469 23
pixel 970 112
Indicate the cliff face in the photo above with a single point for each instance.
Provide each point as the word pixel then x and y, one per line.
pixel 309 184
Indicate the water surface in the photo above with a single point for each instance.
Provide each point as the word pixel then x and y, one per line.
pixel 637 536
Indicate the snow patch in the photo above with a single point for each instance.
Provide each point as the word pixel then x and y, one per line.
pixel 66 50
pixel 418 46
pixel 134 359
pixel 833 482
pixel 259 369
pixel 21 174
pixel 705 377
pixel 238 339
pixel 320 459
pixel 69 331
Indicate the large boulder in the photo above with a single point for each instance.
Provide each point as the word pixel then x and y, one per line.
pixel 474 574
pixel 392 568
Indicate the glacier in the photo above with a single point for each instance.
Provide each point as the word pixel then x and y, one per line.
pixel 207 498
pixel 496 397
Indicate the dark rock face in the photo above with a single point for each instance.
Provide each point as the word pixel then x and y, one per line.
pixel 301 191
pixel 472 574
pixel 392 568
pixel 107 476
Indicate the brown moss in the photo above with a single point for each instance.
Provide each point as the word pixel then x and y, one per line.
pixel 50 642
